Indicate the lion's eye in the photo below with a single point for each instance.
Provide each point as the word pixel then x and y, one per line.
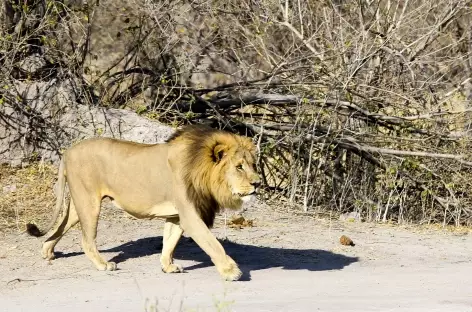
pixel 239 167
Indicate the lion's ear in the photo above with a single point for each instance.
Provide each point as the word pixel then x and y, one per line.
pixel 219 151
pixel 248 144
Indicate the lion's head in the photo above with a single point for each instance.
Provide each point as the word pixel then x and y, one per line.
pixel 218 169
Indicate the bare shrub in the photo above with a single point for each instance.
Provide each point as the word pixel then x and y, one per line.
pixel 355 105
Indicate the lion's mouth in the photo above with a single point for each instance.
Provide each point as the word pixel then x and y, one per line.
pixel 253 193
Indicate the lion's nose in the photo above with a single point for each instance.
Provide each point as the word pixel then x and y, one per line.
pixel 256 184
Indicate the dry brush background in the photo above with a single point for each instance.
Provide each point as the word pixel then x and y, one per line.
pixel 355 106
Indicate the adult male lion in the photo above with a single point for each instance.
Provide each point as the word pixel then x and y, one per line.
pixel 185 180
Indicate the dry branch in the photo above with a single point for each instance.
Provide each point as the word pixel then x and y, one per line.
pixel 338 96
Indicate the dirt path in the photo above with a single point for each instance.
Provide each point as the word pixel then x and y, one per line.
pixel 294 264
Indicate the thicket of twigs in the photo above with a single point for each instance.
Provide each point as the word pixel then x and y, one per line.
pixel 354 105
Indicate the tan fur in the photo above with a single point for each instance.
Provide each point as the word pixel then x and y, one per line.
pixel 185 181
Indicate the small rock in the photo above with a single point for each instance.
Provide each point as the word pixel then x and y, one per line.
pixel 346 241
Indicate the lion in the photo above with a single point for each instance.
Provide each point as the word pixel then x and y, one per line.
pixel 186 180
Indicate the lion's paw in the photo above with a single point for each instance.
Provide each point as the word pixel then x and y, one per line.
pixel 48 255
pixel 107 266
pixel 111 266
pixel 173 268
pixel 231 272
pixel 48 251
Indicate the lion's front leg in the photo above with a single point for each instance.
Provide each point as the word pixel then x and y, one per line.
pixel 172 234
pixel 193 225
pixel 196 228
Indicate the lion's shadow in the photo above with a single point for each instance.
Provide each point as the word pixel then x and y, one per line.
pixel 249 257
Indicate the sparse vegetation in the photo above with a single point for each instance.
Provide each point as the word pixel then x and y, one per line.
pixel 219 305
pixel 26 195
pixel 355 105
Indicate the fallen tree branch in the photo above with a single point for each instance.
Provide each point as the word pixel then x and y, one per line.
pixel 280 99
pixel 396 152
pixel 352 143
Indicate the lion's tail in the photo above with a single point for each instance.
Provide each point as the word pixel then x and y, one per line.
pixel 31 228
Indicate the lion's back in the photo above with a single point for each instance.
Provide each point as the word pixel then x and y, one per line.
pixel 105 152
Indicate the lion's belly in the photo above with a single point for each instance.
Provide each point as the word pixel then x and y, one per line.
pixel 163 210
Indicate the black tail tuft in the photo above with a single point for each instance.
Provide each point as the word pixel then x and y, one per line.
pixel 33 230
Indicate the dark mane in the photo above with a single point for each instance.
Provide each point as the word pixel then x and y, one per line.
pixel 197 164
pixel 194 130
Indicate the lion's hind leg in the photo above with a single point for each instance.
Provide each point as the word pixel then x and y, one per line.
pixel 172 234
pixel 69 219
pixel 87 204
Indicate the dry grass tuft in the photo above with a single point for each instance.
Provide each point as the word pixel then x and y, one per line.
pixel 26 195
pixel 238 222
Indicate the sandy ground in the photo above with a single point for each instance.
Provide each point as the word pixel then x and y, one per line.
pixel 289 264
